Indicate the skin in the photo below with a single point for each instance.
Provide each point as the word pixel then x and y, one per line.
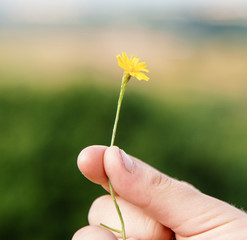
pixel 154 205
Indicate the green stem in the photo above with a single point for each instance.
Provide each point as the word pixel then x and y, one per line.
pixel 118 211
pixel 112 229
pixel 125 79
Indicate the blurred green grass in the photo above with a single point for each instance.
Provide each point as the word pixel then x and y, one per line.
pixel 44 196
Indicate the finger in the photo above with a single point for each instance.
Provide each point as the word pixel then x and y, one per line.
pixel 175 204
pixel 94 233
pixel 91 163
pixel 137 223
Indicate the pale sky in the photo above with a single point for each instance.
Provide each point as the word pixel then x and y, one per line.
pixel 56 10
pixel 119 3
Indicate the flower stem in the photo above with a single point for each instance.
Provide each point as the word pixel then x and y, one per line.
pixel 112 229
pixel 125 79
pixel 118 211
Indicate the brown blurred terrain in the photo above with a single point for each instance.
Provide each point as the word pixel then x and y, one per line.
pixel 48 58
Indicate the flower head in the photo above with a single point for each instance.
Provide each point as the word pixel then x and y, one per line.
pixel 132 66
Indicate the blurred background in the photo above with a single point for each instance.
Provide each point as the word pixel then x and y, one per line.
pixel 59 84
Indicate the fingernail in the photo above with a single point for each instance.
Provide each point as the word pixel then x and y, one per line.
pixel 128 162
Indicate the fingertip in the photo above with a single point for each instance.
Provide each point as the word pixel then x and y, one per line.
pixel 111 157
pixel 80 233
pixel 85 153
pixel 112 150
pixel 90 163
pixel 99 204
pixel 93 233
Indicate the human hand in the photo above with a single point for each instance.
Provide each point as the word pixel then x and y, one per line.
pixel 154 205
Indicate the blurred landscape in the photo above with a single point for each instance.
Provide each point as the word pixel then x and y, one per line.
pixel 202 51
pixel 59 84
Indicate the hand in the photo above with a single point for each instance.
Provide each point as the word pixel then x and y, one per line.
pixel 154 205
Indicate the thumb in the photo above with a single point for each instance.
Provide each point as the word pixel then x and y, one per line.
pixel 175 204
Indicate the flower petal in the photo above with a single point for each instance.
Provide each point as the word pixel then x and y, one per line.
pixel 141 76
pixel 132 66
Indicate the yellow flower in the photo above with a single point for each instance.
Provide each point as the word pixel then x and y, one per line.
pixel 132 66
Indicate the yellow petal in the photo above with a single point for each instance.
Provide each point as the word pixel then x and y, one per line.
pixel 141 76
pixel 120 59
pixel 141 65
pixel 135 60
pixel 121 62
pixel 125 57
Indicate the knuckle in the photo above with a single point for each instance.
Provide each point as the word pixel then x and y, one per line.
pixel 189 186
pixel 97 206
pixel 160 180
